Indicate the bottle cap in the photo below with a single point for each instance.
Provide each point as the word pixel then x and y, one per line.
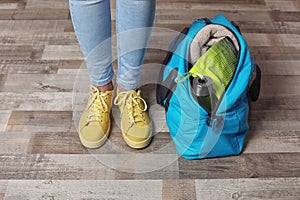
pixel 202 87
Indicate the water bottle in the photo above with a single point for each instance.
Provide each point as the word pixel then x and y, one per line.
pixel 202 88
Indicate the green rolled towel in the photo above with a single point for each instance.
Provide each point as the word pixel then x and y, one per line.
pixel 218 63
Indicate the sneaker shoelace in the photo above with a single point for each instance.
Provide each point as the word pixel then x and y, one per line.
pixel 135 105
pixel 97 105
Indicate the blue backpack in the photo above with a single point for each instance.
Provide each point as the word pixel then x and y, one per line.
pixel 196 131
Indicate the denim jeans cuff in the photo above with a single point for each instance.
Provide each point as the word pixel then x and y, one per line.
pixel 103 82
pixel 127 86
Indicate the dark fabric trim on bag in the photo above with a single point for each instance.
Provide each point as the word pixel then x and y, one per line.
pixel 236 26
pixel 207 20
pixel 254 88
pixel 171 86
pixel 165 88
pixel 174 44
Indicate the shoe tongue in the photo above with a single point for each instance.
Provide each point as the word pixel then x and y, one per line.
pixel 105 96
pixel 140 121
pixel 138 93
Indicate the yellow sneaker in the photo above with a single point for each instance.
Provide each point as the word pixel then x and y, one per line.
pixel 94 125
pixel 136 125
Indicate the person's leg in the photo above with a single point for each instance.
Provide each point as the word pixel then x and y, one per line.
pixel 134 21
pixel 92 24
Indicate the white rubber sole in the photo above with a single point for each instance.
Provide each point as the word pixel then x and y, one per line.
pixel 94 144
pixel 138 145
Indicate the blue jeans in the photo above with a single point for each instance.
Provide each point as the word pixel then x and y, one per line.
pixel 92 24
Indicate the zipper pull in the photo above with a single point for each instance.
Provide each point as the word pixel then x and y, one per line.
pixel 214 121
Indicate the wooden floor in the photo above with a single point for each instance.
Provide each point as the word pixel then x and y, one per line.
pixel 40 88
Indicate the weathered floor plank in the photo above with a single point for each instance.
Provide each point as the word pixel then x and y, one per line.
pixel 272 141
pixel 157 166
pixel 62 52
pixel 28 67
pixel 37 121
pixel 89 166
pixel 14 142
pixel 3 186
pixel 46 101
pixel 68 143
pixel 33 26
pixel 179 189
pixel 262 165
pixel 22 83
pixel 4 117
pixel 54 4
pixel 84 189
pixel 43 90
pixel 271 188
